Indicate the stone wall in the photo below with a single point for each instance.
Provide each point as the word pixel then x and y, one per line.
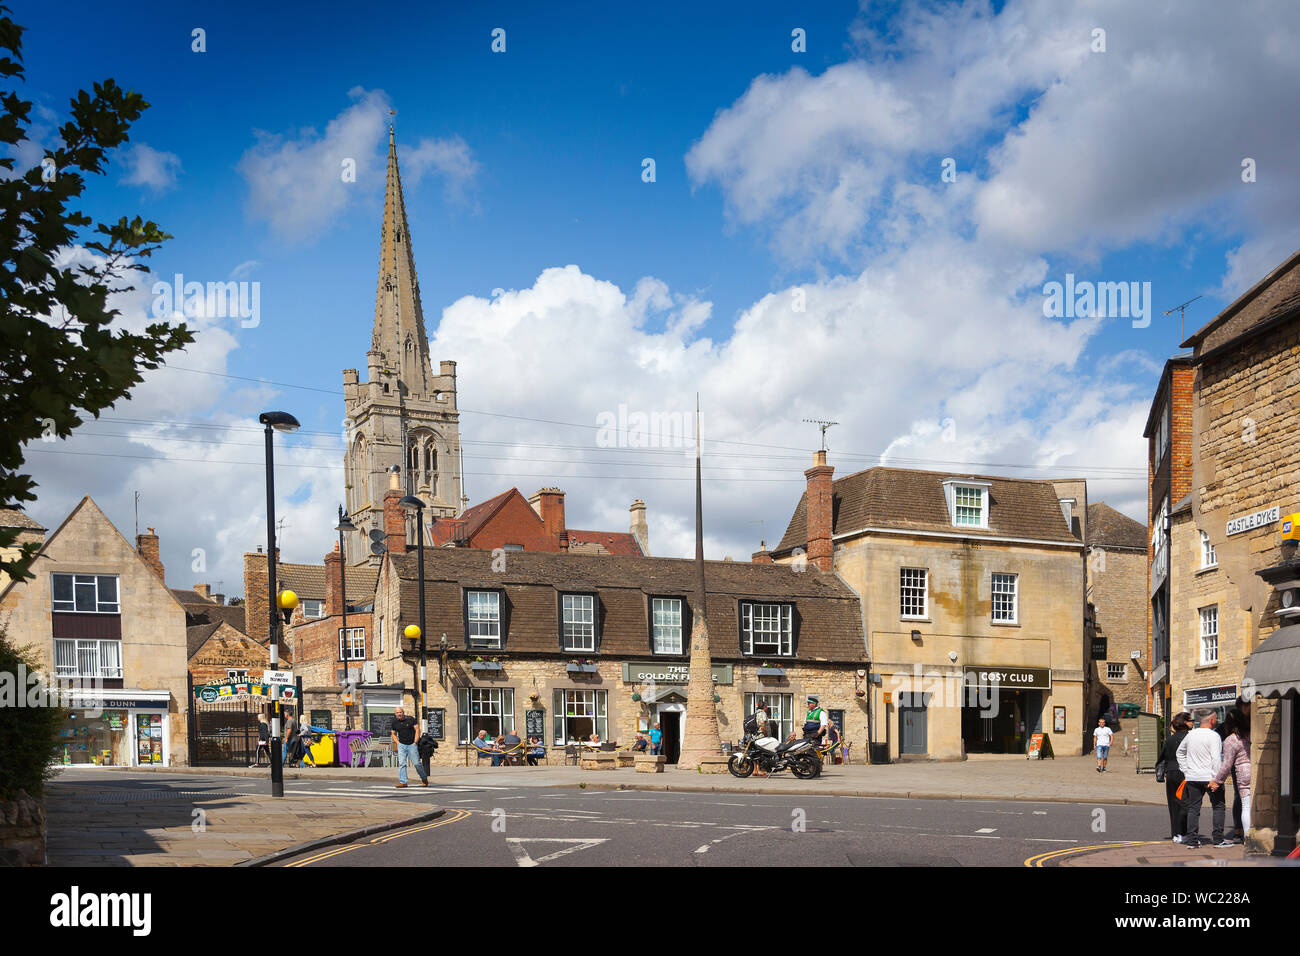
pixel 22 831
pixel 224 650
pixel 1117 591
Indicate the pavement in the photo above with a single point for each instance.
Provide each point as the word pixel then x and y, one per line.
pixel 97 824
pixel 1065 779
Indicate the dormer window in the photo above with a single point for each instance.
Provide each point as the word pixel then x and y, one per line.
pixel 968 502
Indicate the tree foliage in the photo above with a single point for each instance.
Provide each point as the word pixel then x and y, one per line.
pixel 62 355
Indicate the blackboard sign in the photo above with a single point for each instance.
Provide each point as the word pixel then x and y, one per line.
pixel 535 723
pixel 379 723
pixel 437 717
pixel 837 718
pixel 323 718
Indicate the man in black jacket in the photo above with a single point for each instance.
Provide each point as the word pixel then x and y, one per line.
pixel 1174 776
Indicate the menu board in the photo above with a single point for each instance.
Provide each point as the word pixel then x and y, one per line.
pixel 837 718
pixel 323 718
pixel 535 723
pixel 437 718
pixel 379 723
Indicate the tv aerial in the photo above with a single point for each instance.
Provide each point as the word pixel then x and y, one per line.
pixel 823 425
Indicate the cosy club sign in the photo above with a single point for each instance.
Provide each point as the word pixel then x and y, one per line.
pixel 1010 678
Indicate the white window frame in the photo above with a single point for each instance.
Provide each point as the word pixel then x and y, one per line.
pixel 1209 642
pixel 1011 613
pixel 666 624
pixel 319 607
pixel 483 619
pixel 763 619
pixel 1123 671
pixel 487 703
pixel 908 589
pixel 380 649
pixel 780 711
pixel 355 649
pixel 578 622
pixel 1209 558
pixel 87 581
pixel 579 704
pixel 956 489
pixel 236 673
pixel 71 666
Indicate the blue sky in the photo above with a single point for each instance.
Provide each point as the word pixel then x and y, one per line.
pixel 775 170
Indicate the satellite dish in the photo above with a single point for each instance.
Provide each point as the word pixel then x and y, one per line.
pixel 377 534
pixel 377 547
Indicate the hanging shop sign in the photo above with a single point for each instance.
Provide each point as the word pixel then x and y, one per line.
pixel 245 690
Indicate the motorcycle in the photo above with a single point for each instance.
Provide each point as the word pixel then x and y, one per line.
pixel 797 756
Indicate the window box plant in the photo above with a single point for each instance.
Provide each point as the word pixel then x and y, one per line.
pixel 491 666
pixel 768 669
pixel 581 666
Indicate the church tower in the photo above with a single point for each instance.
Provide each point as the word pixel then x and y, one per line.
pixel 403 415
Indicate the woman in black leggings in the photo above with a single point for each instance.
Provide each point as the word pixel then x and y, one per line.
pixel 1174 777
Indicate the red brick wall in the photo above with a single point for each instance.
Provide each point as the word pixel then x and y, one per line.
pixel 1180 432
pixel 316 648
pixel 517 523
pixel 394 522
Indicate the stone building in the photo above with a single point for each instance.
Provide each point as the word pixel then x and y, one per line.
pixel 972 592
pixel 1240 394
pixel 101 618
pixel 1169 434
pixel 25 530
pixel 221 652
pixel 515 523
pixel 563 645
pixel 403 416
pixel 1116 613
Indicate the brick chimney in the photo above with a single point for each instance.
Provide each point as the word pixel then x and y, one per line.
pixel 640 530
pixel 204 591
pixel 394 517
pixel 549 504
pixel 146 545
pixel 820 512
pixel 334 581
pixel 256 621
pixel 762 555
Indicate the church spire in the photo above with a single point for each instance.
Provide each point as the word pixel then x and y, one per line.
pixel 399 333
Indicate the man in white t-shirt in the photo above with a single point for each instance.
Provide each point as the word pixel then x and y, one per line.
pixel 1101 740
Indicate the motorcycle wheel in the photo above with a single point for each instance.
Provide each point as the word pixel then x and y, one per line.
pixel 805 768
pixel 740 766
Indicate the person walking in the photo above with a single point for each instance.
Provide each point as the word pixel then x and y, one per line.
pixel 263 740
pixel 1236 762
pixel 402 729
pixel 1199 757
pixel 1174 776
pixel 1101 738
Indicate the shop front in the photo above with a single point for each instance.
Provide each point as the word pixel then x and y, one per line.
pixel 129 729
pixel 1220 699
pixel 1002 707
pixel 660 689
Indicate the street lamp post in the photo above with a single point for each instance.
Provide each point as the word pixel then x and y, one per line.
pixel 412 503
pixel 274 421
pixel 345 524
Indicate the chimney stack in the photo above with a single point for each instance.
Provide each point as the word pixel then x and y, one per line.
pixel 549 504
pixel 256 621
pixel 640 530
pixel 334 581
pixel 762 555
pixel 394 517
pixel 204 591
pixel 146 545
pixel 820 511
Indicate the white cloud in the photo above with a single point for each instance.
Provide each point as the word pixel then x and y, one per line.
pixel 146 166
pixel 449 159
pixel 296 182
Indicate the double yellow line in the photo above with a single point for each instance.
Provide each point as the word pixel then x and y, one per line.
pixel 1044 858
pixel 452 816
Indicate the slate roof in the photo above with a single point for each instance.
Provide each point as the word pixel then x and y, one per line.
pixel 908 500
pixel 14 518
pixel 308 581
pixel 211 613
pixel 615 542
pixel 1109 528
pixel 828 619
pixel 190 596
pixel 197 636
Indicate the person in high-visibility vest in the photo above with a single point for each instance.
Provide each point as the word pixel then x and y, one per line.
pixel 817 722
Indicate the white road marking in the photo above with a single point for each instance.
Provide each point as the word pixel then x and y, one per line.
pixel 987 830
pixel 1047 840
pixel 1040 813
pixel 705 848
pixel 523 859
